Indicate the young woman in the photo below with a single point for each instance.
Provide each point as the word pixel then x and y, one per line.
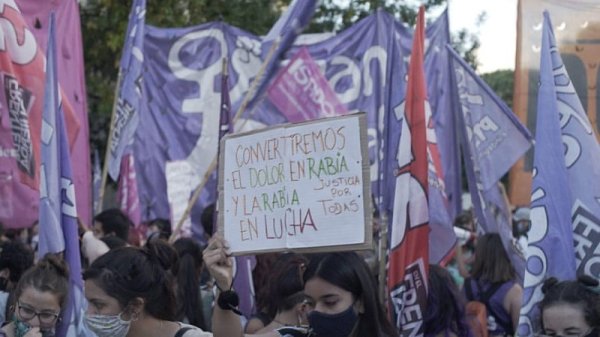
pixel 38 299
pixel 445 313
pixel 338 287
pixel 571 308
pixel 130 293
pixel 493 282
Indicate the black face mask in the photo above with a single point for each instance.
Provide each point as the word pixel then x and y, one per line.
pixel 336 325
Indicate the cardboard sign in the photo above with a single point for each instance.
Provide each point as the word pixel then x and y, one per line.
pixel 298 186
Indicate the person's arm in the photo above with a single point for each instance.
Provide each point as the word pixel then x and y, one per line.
pixel 219 263
pixel 512 303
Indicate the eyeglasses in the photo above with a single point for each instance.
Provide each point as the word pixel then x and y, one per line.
pixel 585 334
pixel 27 313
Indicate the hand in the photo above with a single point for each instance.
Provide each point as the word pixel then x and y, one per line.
pixel 219 262
pixel 34 332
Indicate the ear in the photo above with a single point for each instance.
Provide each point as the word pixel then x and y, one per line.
pixel 135 308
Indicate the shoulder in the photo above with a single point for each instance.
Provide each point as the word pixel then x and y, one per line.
pixel 188 330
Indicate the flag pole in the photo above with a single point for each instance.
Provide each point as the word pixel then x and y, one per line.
pixel 213 163
pixel 108 145
pixel 382 256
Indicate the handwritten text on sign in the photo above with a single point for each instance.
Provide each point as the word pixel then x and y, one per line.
pixel 294 186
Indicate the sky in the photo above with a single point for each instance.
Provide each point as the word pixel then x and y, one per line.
pixel 497 34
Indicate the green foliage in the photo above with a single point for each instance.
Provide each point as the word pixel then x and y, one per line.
pixel 501 81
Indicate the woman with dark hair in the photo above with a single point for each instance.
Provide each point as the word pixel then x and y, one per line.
pixel 571 308
pixel 38 299
pixel 287 300
pixel 445 313
pixel 339 288
pixel 493 282
pixel 187 272
pixel 130 293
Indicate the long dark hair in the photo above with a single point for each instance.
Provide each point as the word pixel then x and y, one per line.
pixel 491 261
pixel 129 272
pixel 187 272
pixel 580 293
pixel 286 285
pixel 445 305
pixel 349 272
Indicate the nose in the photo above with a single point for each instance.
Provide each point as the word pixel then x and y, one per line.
pixel 34 322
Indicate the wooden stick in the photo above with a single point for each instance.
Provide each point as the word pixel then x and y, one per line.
pixel 383 235
pixel 108 145
pixel 213 163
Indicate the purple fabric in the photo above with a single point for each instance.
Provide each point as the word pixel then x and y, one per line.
pixel 127 111
pixel 301 92
pixel 71 77
pixel 96 179
pixel 495 303
pixel 58 212
pixel 550 251
pixel 493 140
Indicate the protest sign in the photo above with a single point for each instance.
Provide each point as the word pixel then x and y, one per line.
pixel 298 186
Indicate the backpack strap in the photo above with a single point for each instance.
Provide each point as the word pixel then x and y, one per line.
pixel 469 289
pixel 182 331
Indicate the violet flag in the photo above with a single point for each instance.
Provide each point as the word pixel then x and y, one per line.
pixel 58 212
pixel 96 179
pixel 493 139
pixel 550 251
pixel 130 89
pixel 283 33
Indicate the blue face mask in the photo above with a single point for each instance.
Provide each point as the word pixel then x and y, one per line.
pixel 21 327
pixel 336 325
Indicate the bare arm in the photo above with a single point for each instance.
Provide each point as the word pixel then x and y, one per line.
pixel 225 323
pixel 512 303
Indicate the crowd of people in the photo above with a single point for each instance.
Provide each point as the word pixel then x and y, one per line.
pixel 138 283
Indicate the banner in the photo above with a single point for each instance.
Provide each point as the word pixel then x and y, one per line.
pixel 22 88
pixel 58 226
pixel 72 81
pixel 408 255
pixel 577 34
pixel 301 91
pixel 127 195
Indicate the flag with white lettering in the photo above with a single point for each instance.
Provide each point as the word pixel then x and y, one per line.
pixel 21 104
pixel 72 82
pixel 408 255
pixel 493 139
pixel 550 250
pixel 127 110
pixel 58 212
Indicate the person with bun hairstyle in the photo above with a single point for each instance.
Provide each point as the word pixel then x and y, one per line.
pixel 130 293
pixel 571 308
pixel 39 296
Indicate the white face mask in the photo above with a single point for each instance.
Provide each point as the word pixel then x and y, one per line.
pixel 108 325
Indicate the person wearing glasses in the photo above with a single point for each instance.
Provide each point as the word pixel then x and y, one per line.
pixel 38 299
pixel 571 308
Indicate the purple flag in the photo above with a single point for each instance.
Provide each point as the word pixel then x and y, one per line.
pixel 550 251
pixel 72 81
pixel 127 194
pixel 284 32
pixel 127 109
pixel 493 140
pixel 58 212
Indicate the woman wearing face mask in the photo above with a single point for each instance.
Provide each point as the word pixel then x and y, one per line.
pixel 130 293
pixel 38 298
pixel 571 308
pixel 338 286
